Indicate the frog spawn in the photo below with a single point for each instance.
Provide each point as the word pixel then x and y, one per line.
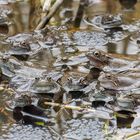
pixel 72 82
pixel 85 122
pixel 70 87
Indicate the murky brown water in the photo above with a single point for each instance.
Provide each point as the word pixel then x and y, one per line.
pixel 64 43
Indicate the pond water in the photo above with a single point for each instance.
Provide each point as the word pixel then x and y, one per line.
pixel 53 61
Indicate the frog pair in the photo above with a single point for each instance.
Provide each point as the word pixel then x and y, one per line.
pixel 118 73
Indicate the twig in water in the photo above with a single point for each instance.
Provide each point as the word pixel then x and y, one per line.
pixel 47 5
pixel 96 113
pixel 53 10
pixel 132 136
pixel 80 13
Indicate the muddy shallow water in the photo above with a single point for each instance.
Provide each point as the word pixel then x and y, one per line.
pixel 59 52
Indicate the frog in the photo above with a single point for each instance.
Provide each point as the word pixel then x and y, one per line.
pixel 46 87
pixel 110 62
pixel 111 20
pixel 24 50
pixel 75 87
pixel 11 61
pixel 105 21
pixel 122 81
pixel 73 84
pixel 8 66
pixel 22 46
pixel 23 100
pixel 18 38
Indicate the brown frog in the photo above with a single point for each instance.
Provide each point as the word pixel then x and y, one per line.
pixel 122 81
pixel 24 49
pixel 111 62
pixel 47 87
pixel 105 21
pixel 111 20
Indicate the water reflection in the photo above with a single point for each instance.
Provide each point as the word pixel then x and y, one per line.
pixel 128 4
pixel 22 16
pixel 123 46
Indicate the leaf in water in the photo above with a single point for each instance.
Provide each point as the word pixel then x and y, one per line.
pixel 40 123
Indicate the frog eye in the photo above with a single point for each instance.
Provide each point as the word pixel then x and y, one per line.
pixel 37 78
pixel 70 79
pixel 4 59
pixel 81 80
pixel 108 76
pixel 23 43
pixel 49 78
pixel 96 53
